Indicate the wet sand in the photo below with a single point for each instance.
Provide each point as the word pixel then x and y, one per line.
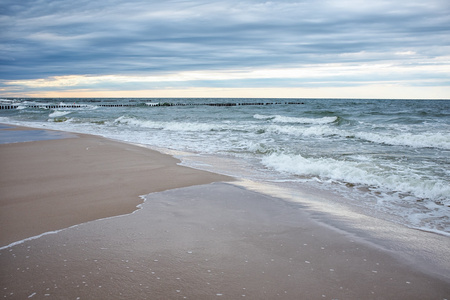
pixel 206 242
pixel 196 241
pixel 66 179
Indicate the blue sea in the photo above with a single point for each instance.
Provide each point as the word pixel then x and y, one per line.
pixel 388 159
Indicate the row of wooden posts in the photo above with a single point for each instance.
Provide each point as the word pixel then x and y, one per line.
pixel 151 104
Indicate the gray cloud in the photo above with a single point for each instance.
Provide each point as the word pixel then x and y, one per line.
pixel 52 38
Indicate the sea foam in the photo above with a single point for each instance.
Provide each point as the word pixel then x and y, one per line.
pixel 361 173
pixel 286 119
pixel 58 113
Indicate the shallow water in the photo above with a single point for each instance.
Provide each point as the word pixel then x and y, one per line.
pixel 203 242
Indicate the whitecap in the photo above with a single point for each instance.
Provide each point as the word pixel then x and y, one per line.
pixel 58 113
pixel 421 140
pixel 361 173
pixel 286 119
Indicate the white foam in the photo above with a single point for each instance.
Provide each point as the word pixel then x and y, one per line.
pixel 317 130
pixel 286 119
pixel 361 172
pixel 423 140
pixel 178 126
pixel 440 140
pixel 58 113
pixel 139 207
pixel 31 238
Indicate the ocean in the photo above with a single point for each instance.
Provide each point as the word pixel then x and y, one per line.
pixel 387 159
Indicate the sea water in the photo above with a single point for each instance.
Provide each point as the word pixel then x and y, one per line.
pixel 386 158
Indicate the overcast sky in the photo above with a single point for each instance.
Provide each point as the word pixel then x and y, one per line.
pixel 233 48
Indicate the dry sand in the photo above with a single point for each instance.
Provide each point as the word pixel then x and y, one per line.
pixel 194 242
pixel 53 184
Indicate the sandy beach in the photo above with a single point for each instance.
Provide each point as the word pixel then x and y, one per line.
pixel 195 237
pixel 70 179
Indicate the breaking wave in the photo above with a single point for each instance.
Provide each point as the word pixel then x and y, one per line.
pixel 285 119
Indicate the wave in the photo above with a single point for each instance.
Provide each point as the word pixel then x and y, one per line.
pixel 58 113
pixel 285 119
pixel 361 173
pixel 317 128
pixel 172 126
pixel 439 140
pixel 423 140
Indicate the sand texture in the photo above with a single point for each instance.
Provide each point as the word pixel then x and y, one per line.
pixel 207 242
pixel 53 184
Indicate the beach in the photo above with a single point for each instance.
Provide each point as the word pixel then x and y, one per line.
pixel 53 184
pixel 198 235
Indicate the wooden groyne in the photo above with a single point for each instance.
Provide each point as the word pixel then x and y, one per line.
pixel 56 106
pixel 222 104
pixel 149 104
pixel 8 106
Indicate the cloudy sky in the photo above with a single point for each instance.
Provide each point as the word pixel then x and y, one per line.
pixel 233 48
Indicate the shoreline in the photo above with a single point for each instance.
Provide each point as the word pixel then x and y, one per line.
pixel 426 250
pixel 52 184
pixel 193 236
pixel 208 241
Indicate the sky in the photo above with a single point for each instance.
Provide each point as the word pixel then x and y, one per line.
pixel 234 48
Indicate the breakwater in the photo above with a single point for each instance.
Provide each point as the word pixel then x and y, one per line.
pixel 149 104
